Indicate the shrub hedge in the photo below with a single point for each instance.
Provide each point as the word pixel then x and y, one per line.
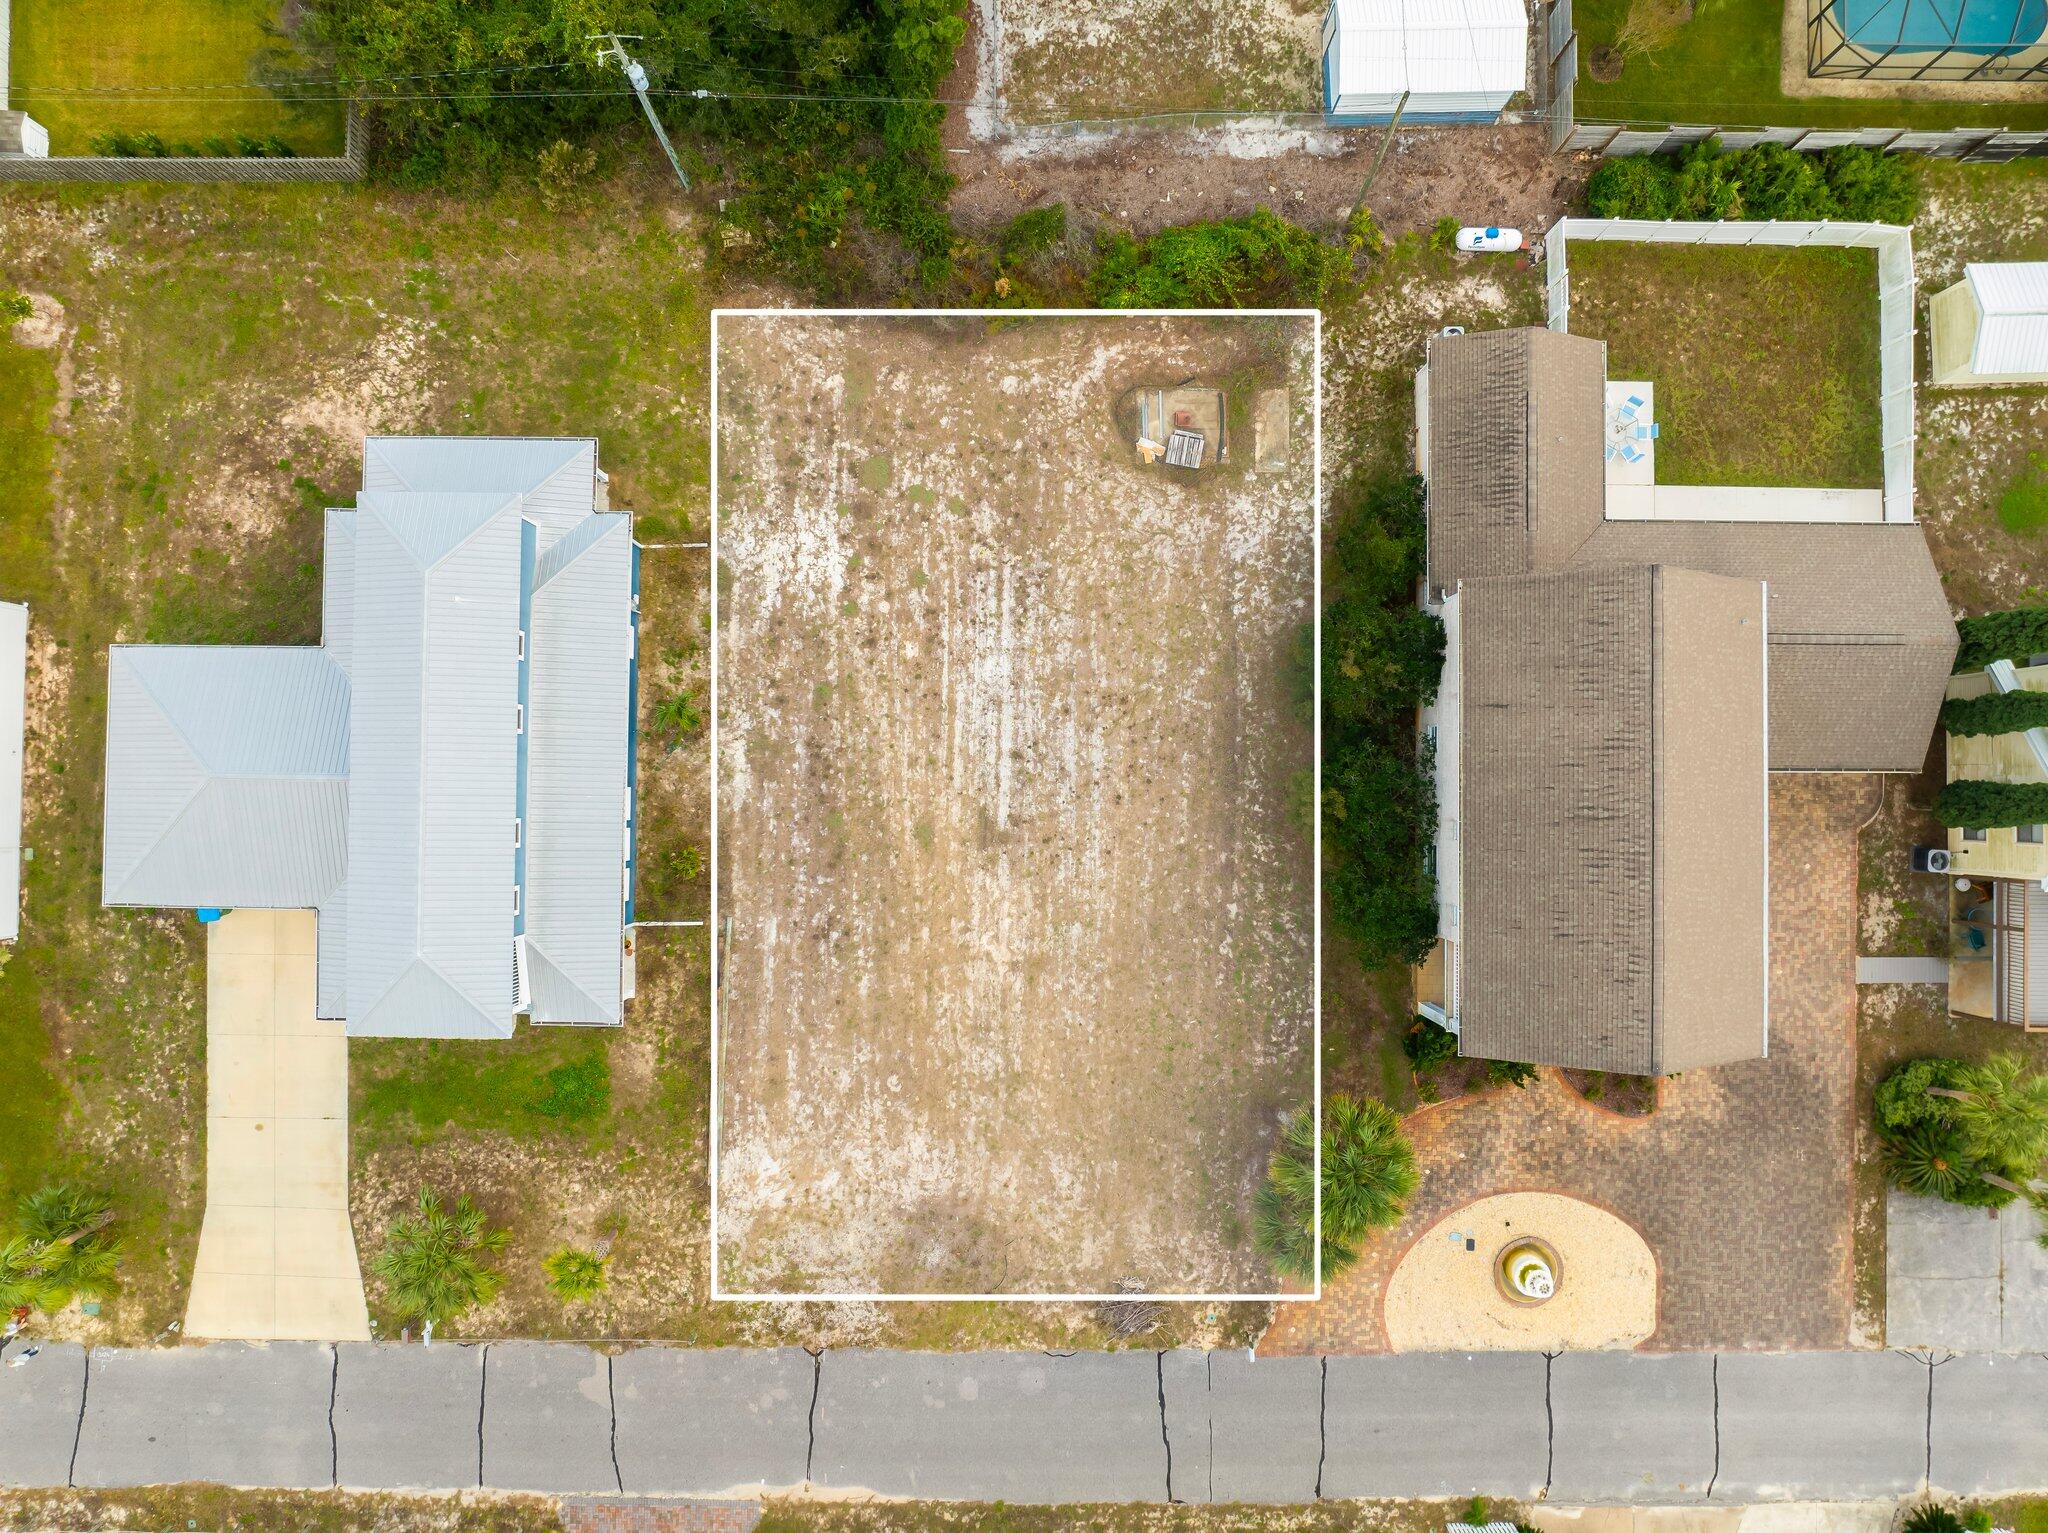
pixel 1982 805
pixel 1227 263
pixel 1767 181
pixel 2015 635
pixel 1995 713
pixel 1381 659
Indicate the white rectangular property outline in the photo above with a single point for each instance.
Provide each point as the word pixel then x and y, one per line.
pixel 1315 317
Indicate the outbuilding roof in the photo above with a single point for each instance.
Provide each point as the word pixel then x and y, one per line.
pixel 2012 331
pixel 1613 815
pixel 1430 47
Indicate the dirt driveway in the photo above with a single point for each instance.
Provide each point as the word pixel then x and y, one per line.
pixel 1741 1180
pixel 1018 982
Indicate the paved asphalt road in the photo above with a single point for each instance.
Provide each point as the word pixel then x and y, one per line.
pixel 1030 1426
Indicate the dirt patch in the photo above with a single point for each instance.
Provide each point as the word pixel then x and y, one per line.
pixel 1056 60
pixel 1018 984
pixel 1144 180
pixel 385 390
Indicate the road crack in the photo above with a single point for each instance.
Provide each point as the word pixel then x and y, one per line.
pixel 483 1393
pixel 611 1395
pixel 333 1441
pixel 78 1432
pixel 811 1422
pixel 1159 1370
pixel 1715 1478
pixel 1322 1428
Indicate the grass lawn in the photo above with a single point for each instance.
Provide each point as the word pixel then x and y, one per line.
pixel 1765 360
pixel 190 44
pixel 1723 70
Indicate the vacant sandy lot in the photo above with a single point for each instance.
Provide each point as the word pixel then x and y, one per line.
pixel 1018 980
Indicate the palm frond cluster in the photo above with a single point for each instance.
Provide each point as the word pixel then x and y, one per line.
pixel 59 1247
pixel 433 1263
pixel 1368 1177
pixel 1971 1133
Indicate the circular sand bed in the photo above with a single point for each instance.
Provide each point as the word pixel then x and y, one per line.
pixel 1443 1296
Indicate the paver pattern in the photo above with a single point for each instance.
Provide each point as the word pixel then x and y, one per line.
pixel 1740 1180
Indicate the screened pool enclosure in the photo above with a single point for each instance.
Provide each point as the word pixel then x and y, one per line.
pixel 1927 39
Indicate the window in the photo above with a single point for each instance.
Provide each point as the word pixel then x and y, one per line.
pixel 1974 835
pixel 2030 835
pixel 519 717
pixel 522 644
pixel 518 833
pixel 1429 859
pixel 515 899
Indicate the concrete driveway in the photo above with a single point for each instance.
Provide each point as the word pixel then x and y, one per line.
pixel 277 1257
pixel 1968 1279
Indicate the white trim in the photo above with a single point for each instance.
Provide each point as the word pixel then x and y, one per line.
pixel 1315 316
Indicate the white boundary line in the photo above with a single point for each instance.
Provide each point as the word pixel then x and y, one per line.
pixel 1315 316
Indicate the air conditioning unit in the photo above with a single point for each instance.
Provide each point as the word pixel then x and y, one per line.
pixel 1930 859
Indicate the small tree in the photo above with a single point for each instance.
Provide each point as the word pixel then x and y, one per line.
pixel 1995 713
pixel 1981 804
pixel 574 1276
pixel 433 1262
pixel 2001 1110
pixel 1650 25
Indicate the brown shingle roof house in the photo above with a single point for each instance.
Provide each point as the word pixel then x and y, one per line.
pixel 1614 694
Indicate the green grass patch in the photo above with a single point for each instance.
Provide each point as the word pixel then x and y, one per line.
pixel 1765 360
pixel 1722 70
pixel 2023 507
pixel 542 1080
pixel 61 45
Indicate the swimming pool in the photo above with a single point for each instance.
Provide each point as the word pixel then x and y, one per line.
pixel 1985 28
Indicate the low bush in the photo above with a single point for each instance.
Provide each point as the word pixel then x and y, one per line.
pixel 1033 233
pixel 1902 1100
pixel 1510 1072
pixel 1428 1047
pixel 575 1276
pixel 1995 713
pixel 1765 181
pixel 1980 804
pixel 1260 259
pixel 1368 1176
pixel 2017 636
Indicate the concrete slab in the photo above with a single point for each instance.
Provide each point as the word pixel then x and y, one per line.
pixel 405 1417
pixel 2026 1282
pixel 235 1413
pixel 724 1421
pixel 277 1256
pixel 1902 971
pixel 39 1413
pixel 1821 1425
pixel 1943 1314
pixel 547 1418
pixel 1004 1426
pixel 1990 1432
pixel 1266 1427
pixel 1436 1424
pixel 1925 1237
pixel 1632 1427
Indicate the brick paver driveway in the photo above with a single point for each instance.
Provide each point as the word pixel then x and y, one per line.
pixel 1741 1179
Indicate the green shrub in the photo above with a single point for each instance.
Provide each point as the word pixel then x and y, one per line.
pixel 1764 181
pixel 2017 636
pixel 1379 662
pixel 14 305
pixel 1368 1176
pixel 1902 1099
pixel 1260 259
pixel 1995 713
pixel 574 1276
pixel 1510 1072
pixel 1631 186
pixel 1033 233
pixel 1932 1518
pixel 578 1092
pixel 1428 1046
pixel 1443 237
pixel 1983 805
pixel 432 1264
pixel 59 1247
pixel 1871 186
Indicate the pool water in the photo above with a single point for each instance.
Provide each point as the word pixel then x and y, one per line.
pixel 1986 28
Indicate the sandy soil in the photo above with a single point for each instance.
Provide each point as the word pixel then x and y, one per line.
pixel 1018 984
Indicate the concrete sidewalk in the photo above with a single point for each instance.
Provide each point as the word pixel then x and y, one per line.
pixel 1598 1428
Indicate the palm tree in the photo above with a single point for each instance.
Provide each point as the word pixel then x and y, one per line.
pixel 1368 1176
pixel 432 1262
pixel 2002 1111
pixel 1928 1161
pixel 575 1275
pixel 59 1250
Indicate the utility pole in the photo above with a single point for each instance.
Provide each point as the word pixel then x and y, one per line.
pixel 614 52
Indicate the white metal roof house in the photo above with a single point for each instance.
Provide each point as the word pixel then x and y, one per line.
pixel 13 704
pixel 1453 60
pixel 447 780
pixel 1991 327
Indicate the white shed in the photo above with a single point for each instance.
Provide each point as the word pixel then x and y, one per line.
pixel 1455 60
pixel 1991 327
pixel 13 695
